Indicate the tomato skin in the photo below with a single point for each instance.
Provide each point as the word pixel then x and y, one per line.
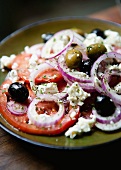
pixel 21 122
pixel 48 75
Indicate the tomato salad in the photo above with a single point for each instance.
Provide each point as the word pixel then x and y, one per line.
pixel 68 84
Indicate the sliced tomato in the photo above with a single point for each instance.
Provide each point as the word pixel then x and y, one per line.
pixel 21 61
pixel 47 107
pixel 48 75
pixel 21 122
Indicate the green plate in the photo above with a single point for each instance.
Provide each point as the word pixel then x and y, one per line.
pixel 31 35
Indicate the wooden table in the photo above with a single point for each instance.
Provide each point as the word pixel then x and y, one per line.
pixel 18 155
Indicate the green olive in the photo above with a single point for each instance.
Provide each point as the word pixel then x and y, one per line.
pixel 95 50
pixel 73 58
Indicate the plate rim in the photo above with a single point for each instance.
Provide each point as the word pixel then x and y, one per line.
pixel 44 21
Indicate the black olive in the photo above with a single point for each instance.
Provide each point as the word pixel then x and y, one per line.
pixel 99 32
pixel 104 105
pixel 18 92
pixel 46 37
pixel 86 66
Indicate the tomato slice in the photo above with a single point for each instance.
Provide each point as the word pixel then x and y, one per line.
pixel 21 122
pixel 21 61
pixel 48 75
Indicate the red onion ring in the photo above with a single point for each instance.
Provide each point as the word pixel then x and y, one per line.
pixel 67 73
pixel 109 123
pixel 109 91
pixel 16 108
pixel 44 120
pixel 34 87
pixel 46 51
pixel 74 38
pixel 109 127
pixel 107 120
pixel 94 70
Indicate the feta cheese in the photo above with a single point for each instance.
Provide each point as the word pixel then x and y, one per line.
pixel 117 88
pixel 76 95
pixel 48 88
pixel 5 61
pixel 13 76
pixel 83 125
pixel 33 61
pixel 92 38
pixel 6 86
pixel 78 74
pixel 113 38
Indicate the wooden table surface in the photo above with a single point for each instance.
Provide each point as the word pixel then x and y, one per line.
pixel 18 155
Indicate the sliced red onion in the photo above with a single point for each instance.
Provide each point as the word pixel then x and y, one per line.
pixel 16 108
pixel 42 67
pixel 53 62
pixel 46 51
pixel 73 38
pixel 88 87
pixel 110 91
pixel 97 82
pixel 78 39
pixel 66 72
pixel 109 127
pixel 36 71
pixel 44 120
pixel 109 123
pixel 107 120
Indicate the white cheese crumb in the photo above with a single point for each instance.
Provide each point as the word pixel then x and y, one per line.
pixel 48 88
pixel 13 76
pixel 83 125
pixel 117 88
pixel 113 38
pixel 5 61
pixel 92 38
pixel 76 95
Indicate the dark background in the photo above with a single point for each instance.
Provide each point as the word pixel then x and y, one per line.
pixel 15 14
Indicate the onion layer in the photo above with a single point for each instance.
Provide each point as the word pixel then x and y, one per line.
pixel 16 108
pixel 109 123
pixel 44 120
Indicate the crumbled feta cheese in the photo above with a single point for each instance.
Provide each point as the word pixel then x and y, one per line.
pixel 48 88
pixel 83 125
pixel 78 74
pixel 33 61
pixel 113 38
pixel 59 43
pixel 117 88
pixel 6 86
pixel 13 76
pixel 92 38
pixel 76 95
pixel 5 61
pixel 115 67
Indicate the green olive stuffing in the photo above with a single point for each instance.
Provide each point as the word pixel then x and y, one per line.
pixel 95 50
pixel 73 58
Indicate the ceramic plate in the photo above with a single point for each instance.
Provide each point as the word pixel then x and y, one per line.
pixel 31 35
